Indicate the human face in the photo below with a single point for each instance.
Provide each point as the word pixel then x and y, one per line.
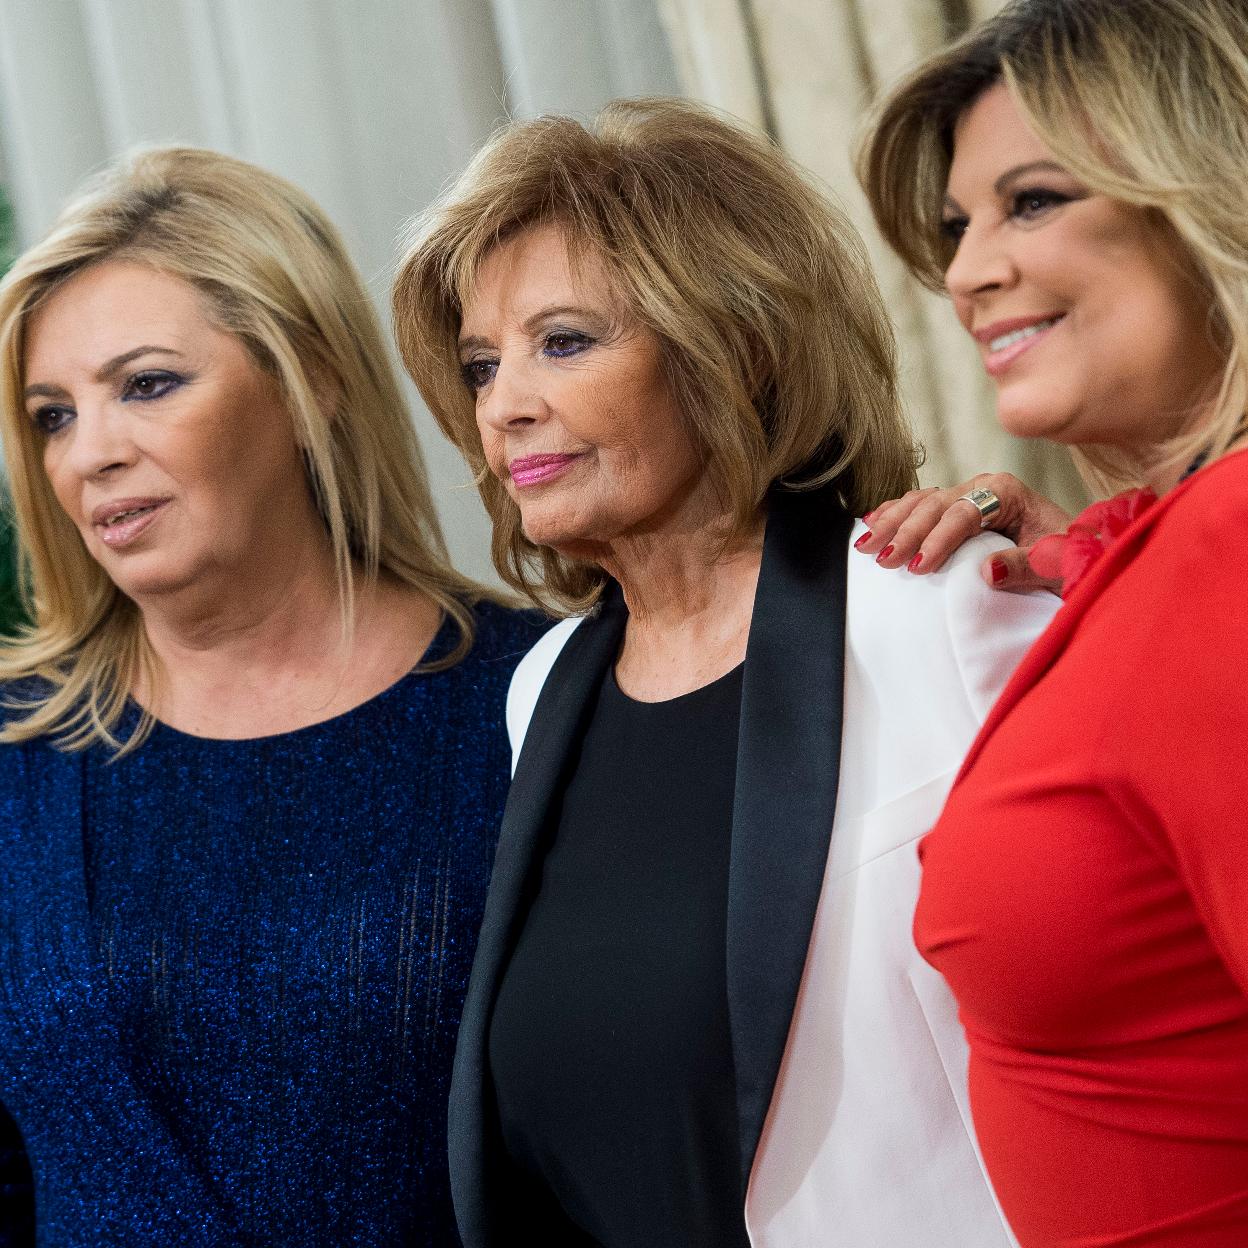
pixel 165 443
pixel 575 414
pixel 1087 315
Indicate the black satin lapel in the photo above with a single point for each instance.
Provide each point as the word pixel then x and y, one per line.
pixel 556 726
pixel 788 767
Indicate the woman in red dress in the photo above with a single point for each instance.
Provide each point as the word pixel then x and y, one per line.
pixel 1075 174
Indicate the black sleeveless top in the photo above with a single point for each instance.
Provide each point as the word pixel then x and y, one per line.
pixel 609 1045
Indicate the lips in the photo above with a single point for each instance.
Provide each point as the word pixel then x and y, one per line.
pixel 1004 341
pixel 530 470
pixel 121 521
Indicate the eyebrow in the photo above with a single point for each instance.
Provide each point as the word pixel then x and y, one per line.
pixel 105 372
pixel 472 341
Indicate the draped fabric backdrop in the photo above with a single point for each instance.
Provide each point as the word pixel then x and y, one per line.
pixel 371 105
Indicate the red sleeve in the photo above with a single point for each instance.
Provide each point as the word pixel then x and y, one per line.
pixel 1179 712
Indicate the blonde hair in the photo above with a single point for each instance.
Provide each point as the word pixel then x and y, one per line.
pixel 772 332
pixel 1146 102
pixel 273 271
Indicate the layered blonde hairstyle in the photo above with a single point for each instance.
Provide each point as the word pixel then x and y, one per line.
pixel 1145 101
pixel 772 332
pixel 272 270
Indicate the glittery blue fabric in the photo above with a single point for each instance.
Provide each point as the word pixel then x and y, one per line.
pixel 231 971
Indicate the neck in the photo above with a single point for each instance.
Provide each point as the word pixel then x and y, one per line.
pixel 689 601
pixel 1161 472
pixel 671 580
pixel 219 634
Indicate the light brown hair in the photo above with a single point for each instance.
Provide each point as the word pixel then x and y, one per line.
pixel 272 270
pixel 1145 101
pixel 772 331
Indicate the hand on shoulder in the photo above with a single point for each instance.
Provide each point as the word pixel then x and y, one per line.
pixel 921 530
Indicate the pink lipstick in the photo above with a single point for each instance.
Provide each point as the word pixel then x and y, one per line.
pixel 538 469
pixel 1004 341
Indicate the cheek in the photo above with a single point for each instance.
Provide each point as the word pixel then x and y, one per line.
pixel 205 459
pixel 248 447
pixel 633 417
pixel 963 311
pixel 492 446
pixel 61 482
pixel 659 459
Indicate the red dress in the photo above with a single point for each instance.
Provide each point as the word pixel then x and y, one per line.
pixel 1085 893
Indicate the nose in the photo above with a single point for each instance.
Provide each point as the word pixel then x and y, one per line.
pixel 981 263
pixel 514 398
pixel 97 443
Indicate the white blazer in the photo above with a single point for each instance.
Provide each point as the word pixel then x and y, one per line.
pixel 868 1141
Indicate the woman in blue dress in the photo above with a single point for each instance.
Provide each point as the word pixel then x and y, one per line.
pixel 253 754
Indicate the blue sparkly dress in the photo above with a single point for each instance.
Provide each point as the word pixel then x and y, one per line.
pixel 231 971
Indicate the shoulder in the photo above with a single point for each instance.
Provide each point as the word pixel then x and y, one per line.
pixel 34 756
pixel 530 676
pixel 1183 564
pixel 1178 600
pixel 1205 515
pixel 945 631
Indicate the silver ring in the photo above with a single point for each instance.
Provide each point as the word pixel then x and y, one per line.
pixel 984 501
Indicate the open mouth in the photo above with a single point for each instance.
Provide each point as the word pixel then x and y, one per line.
pixel 122 516
pixel 120 528
pixel 1003 349
pixel 1021 335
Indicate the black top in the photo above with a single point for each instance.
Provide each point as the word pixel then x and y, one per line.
pixel 609 1044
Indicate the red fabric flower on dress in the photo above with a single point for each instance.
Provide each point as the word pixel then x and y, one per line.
pixel 1066 557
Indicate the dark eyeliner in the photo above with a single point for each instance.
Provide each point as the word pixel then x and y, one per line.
pixel 45 418
pixel 577 340
pixel 164 380
pixel 470 371
pixel 1032 201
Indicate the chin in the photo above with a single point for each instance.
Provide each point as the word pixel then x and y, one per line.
pixel 146 578
pixel 556 527
pixel 1034 417
pixel 557 538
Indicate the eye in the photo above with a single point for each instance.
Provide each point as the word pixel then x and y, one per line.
pixel 52 418
pixel 150 385
pixel 564 342
pixel 952 229
pixel 478 374
pixel 1029 204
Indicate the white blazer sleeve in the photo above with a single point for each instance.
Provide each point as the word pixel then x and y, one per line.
pixel 990 630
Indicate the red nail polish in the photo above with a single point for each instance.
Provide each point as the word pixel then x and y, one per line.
pixel 999 571
pixel 868 517
pixel 863 540
pixel 913 565
pixel 884 554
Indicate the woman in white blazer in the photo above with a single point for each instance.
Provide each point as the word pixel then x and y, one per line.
pixel 696 1016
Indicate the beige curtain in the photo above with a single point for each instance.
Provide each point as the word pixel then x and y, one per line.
pixel 804 71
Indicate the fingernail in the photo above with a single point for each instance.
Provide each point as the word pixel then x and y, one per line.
pixel 884 554
pixel 999 571
pixel 868 517
pixel 863 540
pixel 913 565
